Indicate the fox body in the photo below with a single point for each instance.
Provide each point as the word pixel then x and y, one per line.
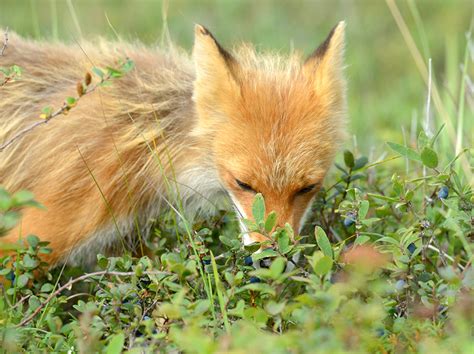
pixel 195 131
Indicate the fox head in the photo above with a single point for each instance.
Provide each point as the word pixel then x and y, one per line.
pixel 272 125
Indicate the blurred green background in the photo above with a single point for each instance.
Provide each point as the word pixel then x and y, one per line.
pixel 386 89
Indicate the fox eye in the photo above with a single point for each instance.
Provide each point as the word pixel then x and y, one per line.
pixel 306 189
pixel 244 186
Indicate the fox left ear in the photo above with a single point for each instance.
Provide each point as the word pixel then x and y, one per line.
pixel 325 66
pixel 215 85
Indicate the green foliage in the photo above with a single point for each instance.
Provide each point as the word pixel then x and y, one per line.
pixel 397 277
pixel 10 206
pixel 9 74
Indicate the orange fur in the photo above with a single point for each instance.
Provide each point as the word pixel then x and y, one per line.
pixel 175 127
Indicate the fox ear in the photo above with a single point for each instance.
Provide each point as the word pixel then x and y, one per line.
pixel 325 66
pixel 215 73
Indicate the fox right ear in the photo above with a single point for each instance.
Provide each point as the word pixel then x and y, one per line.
pixel 215 73
pixel 325 66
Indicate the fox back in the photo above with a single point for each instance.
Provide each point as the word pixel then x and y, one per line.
pixel 201 131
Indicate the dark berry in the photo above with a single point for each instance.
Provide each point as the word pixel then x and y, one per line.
pixel 411 248
pixel 254 280
pixel 206 261
pixel 348 221
pixel 10 276
pixel 248 261
pixel 425 224
pixel 443 311
pixel 380 332
pixel 443 192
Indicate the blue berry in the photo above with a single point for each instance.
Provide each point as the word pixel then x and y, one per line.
pixel 348 221
pixel 400 284
pixel 443 311
pixel 380 332
pixel 206 261
pixel 248 261
pixel 254 280
pixel 11 276
pixel 443 192
pixel 411 248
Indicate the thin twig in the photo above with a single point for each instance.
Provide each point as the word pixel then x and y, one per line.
pixel 442 253
pixel 19 302
pixel 64 108
pixel 5 42
pixel 76 280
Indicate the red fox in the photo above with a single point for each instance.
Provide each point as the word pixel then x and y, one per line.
pixel 194 130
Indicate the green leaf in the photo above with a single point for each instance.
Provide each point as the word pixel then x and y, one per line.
pixel 323 266
pixel 5 200
pixel 22 197
pixel 114 73
pixel 283 241
pixel 22 280
pixel 363 209
pixel 116 344
pixel 270 222
pixel 230 242
pixel 9 219
pixel 258 209
pixel 29 263
pixel 128 65
pixel 405 151
pixel 5 271
pixel 47 110
pixel 264 254
pixel 277 267
pixel 33 303
pixel 98 72
pixel 16 69
pixel 250 225
pixel 360 162
pixel 423 140
pixel 70 101
pixel 47 288
pixel 238 310
pixel 274 308
pixel 383 197
pixel 429 157
pixel 348 159
pixel 361 240
pixel 323 242
pixel 251 248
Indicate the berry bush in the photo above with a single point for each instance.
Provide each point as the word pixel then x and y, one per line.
pixel 384 265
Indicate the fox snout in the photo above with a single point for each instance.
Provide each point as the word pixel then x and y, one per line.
pixel 288 210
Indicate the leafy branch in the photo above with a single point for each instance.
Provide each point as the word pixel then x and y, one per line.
pixel 70 283
pixel 10 74
pixel 83 88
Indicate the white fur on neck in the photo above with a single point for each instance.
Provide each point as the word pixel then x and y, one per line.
pixel 246 239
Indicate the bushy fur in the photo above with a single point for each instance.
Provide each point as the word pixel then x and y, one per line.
pixel 176 130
